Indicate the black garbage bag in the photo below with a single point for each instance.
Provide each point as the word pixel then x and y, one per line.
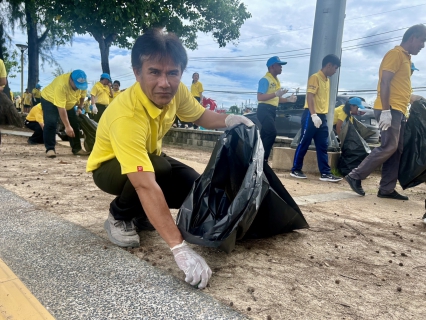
pixel 89 127
pixel 354 149
pixel 237 196
pixel 412 166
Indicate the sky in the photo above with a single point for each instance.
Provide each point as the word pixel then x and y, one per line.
pixel 283 28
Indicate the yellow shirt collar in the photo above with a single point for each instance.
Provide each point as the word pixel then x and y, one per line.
pixel 403 50
pixel 152 109
pixel 322 75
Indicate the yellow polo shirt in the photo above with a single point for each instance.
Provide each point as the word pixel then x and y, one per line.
pixel 27 98
pixel 36 93
pixel 36 114
pixel 115 94
pixel 339 114
pixel 274 85
pixel 133 127
pixel 101 93
pixel 397 61
pixel 319 85
pixel 197 89
pixel 61 94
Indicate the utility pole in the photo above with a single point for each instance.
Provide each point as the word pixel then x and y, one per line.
pixel 327 39
pixel 22 47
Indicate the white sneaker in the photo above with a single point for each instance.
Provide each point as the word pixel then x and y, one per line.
pixel 121 232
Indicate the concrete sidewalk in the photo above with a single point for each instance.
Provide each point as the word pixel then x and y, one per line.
pixel 78 275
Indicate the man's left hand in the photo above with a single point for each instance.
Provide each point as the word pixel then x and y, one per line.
pixel 292 98
pixel 233 120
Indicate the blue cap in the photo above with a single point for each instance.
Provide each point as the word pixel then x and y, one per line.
pixel 356 102
pixel 106 76
pixel 275 60
pixel 80 79
pixel 38 86
pixel 413 67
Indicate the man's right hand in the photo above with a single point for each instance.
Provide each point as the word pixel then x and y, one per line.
pixel 292 98
pixel 385 120
pixel 280 92
pixel 197 272
pixel 70 131
pixel 94 109
pixel 316 120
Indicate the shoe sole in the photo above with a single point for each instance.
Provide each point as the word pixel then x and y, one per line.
pixel 361 194
pixel 51 156
pixel 330 180
pixel 115 241
pixel 385 197
pixel 298 177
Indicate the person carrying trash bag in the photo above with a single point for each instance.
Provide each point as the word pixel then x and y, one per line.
pixel 127 161
pixel 238 196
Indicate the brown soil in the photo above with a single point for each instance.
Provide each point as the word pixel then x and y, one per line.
pixel 362 258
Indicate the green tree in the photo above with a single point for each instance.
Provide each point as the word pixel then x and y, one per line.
pixel 234 110
pixel 120 22
pixel 44 31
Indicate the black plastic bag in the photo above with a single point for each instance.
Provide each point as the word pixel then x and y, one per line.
pixel 233 198
pixel 412 166
pixel 354 149
pixel 89 127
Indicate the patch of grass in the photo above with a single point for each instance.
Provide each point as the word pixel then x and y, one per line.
pixel 336 172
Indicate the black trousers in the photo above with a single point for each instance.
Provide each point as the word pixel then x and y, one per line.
pixel 174 178
pixel 37 136
pixel 266 115
pixel 101 108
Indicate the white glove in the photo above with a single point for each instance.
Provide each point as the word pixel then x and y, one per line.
pixel 292 98
pixel 385 120
pixel 196 270
pixel 280 92
pixel 94 109
pixel 233 120
pixel 316 120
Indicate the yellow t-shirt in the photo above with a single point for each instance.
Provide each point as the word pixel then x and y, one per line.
pixel 319 85
pixel 36 114
pixel 11 95
pixel 18 103
pixel 397 61
pixel 3 73
pixel 60 93
pixel 36 93
pixel 115 94
pixel 101 93
pixel 133 127
pixel 274 85
pixel 339 114
pixel 197 89
pixel 27 98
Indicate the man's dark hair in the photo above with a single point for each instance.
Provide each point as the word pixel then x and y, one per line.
pixel 118 82
pixel 331 58
pixel 417 31
pixel 154 44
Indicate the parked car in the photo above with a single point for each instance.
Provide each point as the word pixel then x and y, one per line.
pixel 289 116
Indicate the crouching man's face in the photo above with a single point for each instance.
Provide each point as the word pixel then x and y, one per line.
pixel 159 80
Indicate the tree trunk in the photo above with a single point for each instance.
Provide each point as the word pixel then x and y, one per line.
pixel 33 50
pixel 8 113
pixel 104 56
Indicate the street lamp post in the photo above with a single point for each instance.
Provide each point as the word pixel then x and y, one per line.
pixel 22 47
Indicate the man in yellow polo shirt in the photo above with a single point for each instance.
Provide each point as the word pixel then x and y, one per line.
pixel 58 100
pixel 127 161
pixel 393 97
pixel 115 90
pixel 34 121
pixel 3 75
pixel 27 101
pixel 100 95
pixel 314 121
pixel 37 94
pixel 269 95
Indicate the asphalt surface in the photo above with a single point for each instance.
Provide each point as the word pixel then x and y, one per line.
pixel 78 275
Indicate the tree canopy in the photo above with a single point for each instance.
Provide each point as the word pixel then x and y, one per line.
pixel 120 22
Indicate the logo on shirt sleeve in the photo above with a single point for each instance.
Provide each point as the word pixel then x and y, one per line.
pixel 139 168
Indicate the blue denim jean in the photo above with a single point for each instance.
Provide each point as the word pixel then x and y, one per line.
pixel 320 136
pixel 50 118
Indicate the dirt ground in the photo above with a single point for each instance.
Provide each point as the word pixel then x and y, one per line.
pixel 362 258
